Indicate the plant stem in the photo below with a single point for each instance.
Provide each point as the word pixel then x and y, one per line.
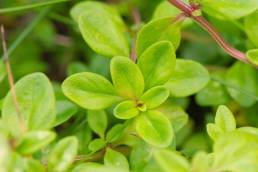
pixel 11 81
pixel 137 20
pixel 30 6
pixel 27 31
pixel 190 11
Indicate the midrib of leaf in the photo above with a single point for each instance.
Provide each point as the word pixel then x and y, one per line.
pixel 29 6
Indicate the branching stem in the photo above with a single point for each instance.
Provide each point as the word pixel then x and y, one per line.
pixel 193 11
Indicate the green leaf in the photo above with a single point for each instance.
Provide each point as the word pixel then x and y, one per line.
pixel 230 8
pixel 126 110
pixel 236 151
pixel 225 119
pixel 34 141
pixel 115 159
pixel 154 128
pixel 32 165
pixel 242 81
pixel 171 161
pixel 158 30
pixel 157 63
pixel 252 56
pixel 249 130
pixel 155 96
pixel 176 114
pixel 127 77
pixel 95 167
pixel 214 93
pixel 36 101
pixel 96 145
pixel 251 27
pixel 214 131
pixel 140 156
pixel 188 78
pixel 98 121
pixel 90 91
pixel 5 150
pixel 201 162
pixel 65 110
pixel 2 70
pixel 62 155
pixel 91 17
pixel 115 132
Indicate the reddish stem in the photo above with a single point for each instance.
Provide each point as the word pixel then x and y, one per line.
pixel 189 11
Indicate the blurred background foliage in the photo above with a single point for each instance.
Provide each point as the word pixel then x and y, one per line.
pixel 55 46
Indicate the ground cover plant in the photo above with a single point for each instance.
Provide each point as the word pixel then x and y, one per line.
pixel 129 86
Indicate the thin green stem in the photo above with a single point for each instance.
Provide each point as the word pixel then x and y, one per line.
pixel 62 19
pixel 30 6
pixel 27 31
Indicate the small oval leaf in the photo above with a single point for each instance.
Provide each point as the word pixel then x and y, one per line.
pixel 154 128
pixel 34 141
pixel 36 100
pixel 155 96
pixel 91 17
pixel 164 29
pixel 157 64
pixel 126 110
pixel 127 77
pixel 62 155
pixel 252 56
pixel 188 78
pixel 98 121
pixel 90 91
pixel 225 119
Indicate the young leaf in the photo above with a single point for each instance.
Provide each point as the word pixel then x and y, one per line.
pixel 176 114
pixel 126 110
pixel 34 141
pixel 90 91
pixel 127 77
pixel 225 119
pixel 98 121
pixel 32 165
pixel 171 161
pixel 214 131
pixel 236 151
pixel 252 56
pixel 96 145
pixel 65 110
pixel 62 155
pixel 158 30
pixel 155 96
pixel 188 78
pixel 115 132
pixel 91 17
pixel 229 8
pixel 242 84
pixel 251 27
pixel 157 63
pixel 115 159
pixel 154 128
pixel 36 101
